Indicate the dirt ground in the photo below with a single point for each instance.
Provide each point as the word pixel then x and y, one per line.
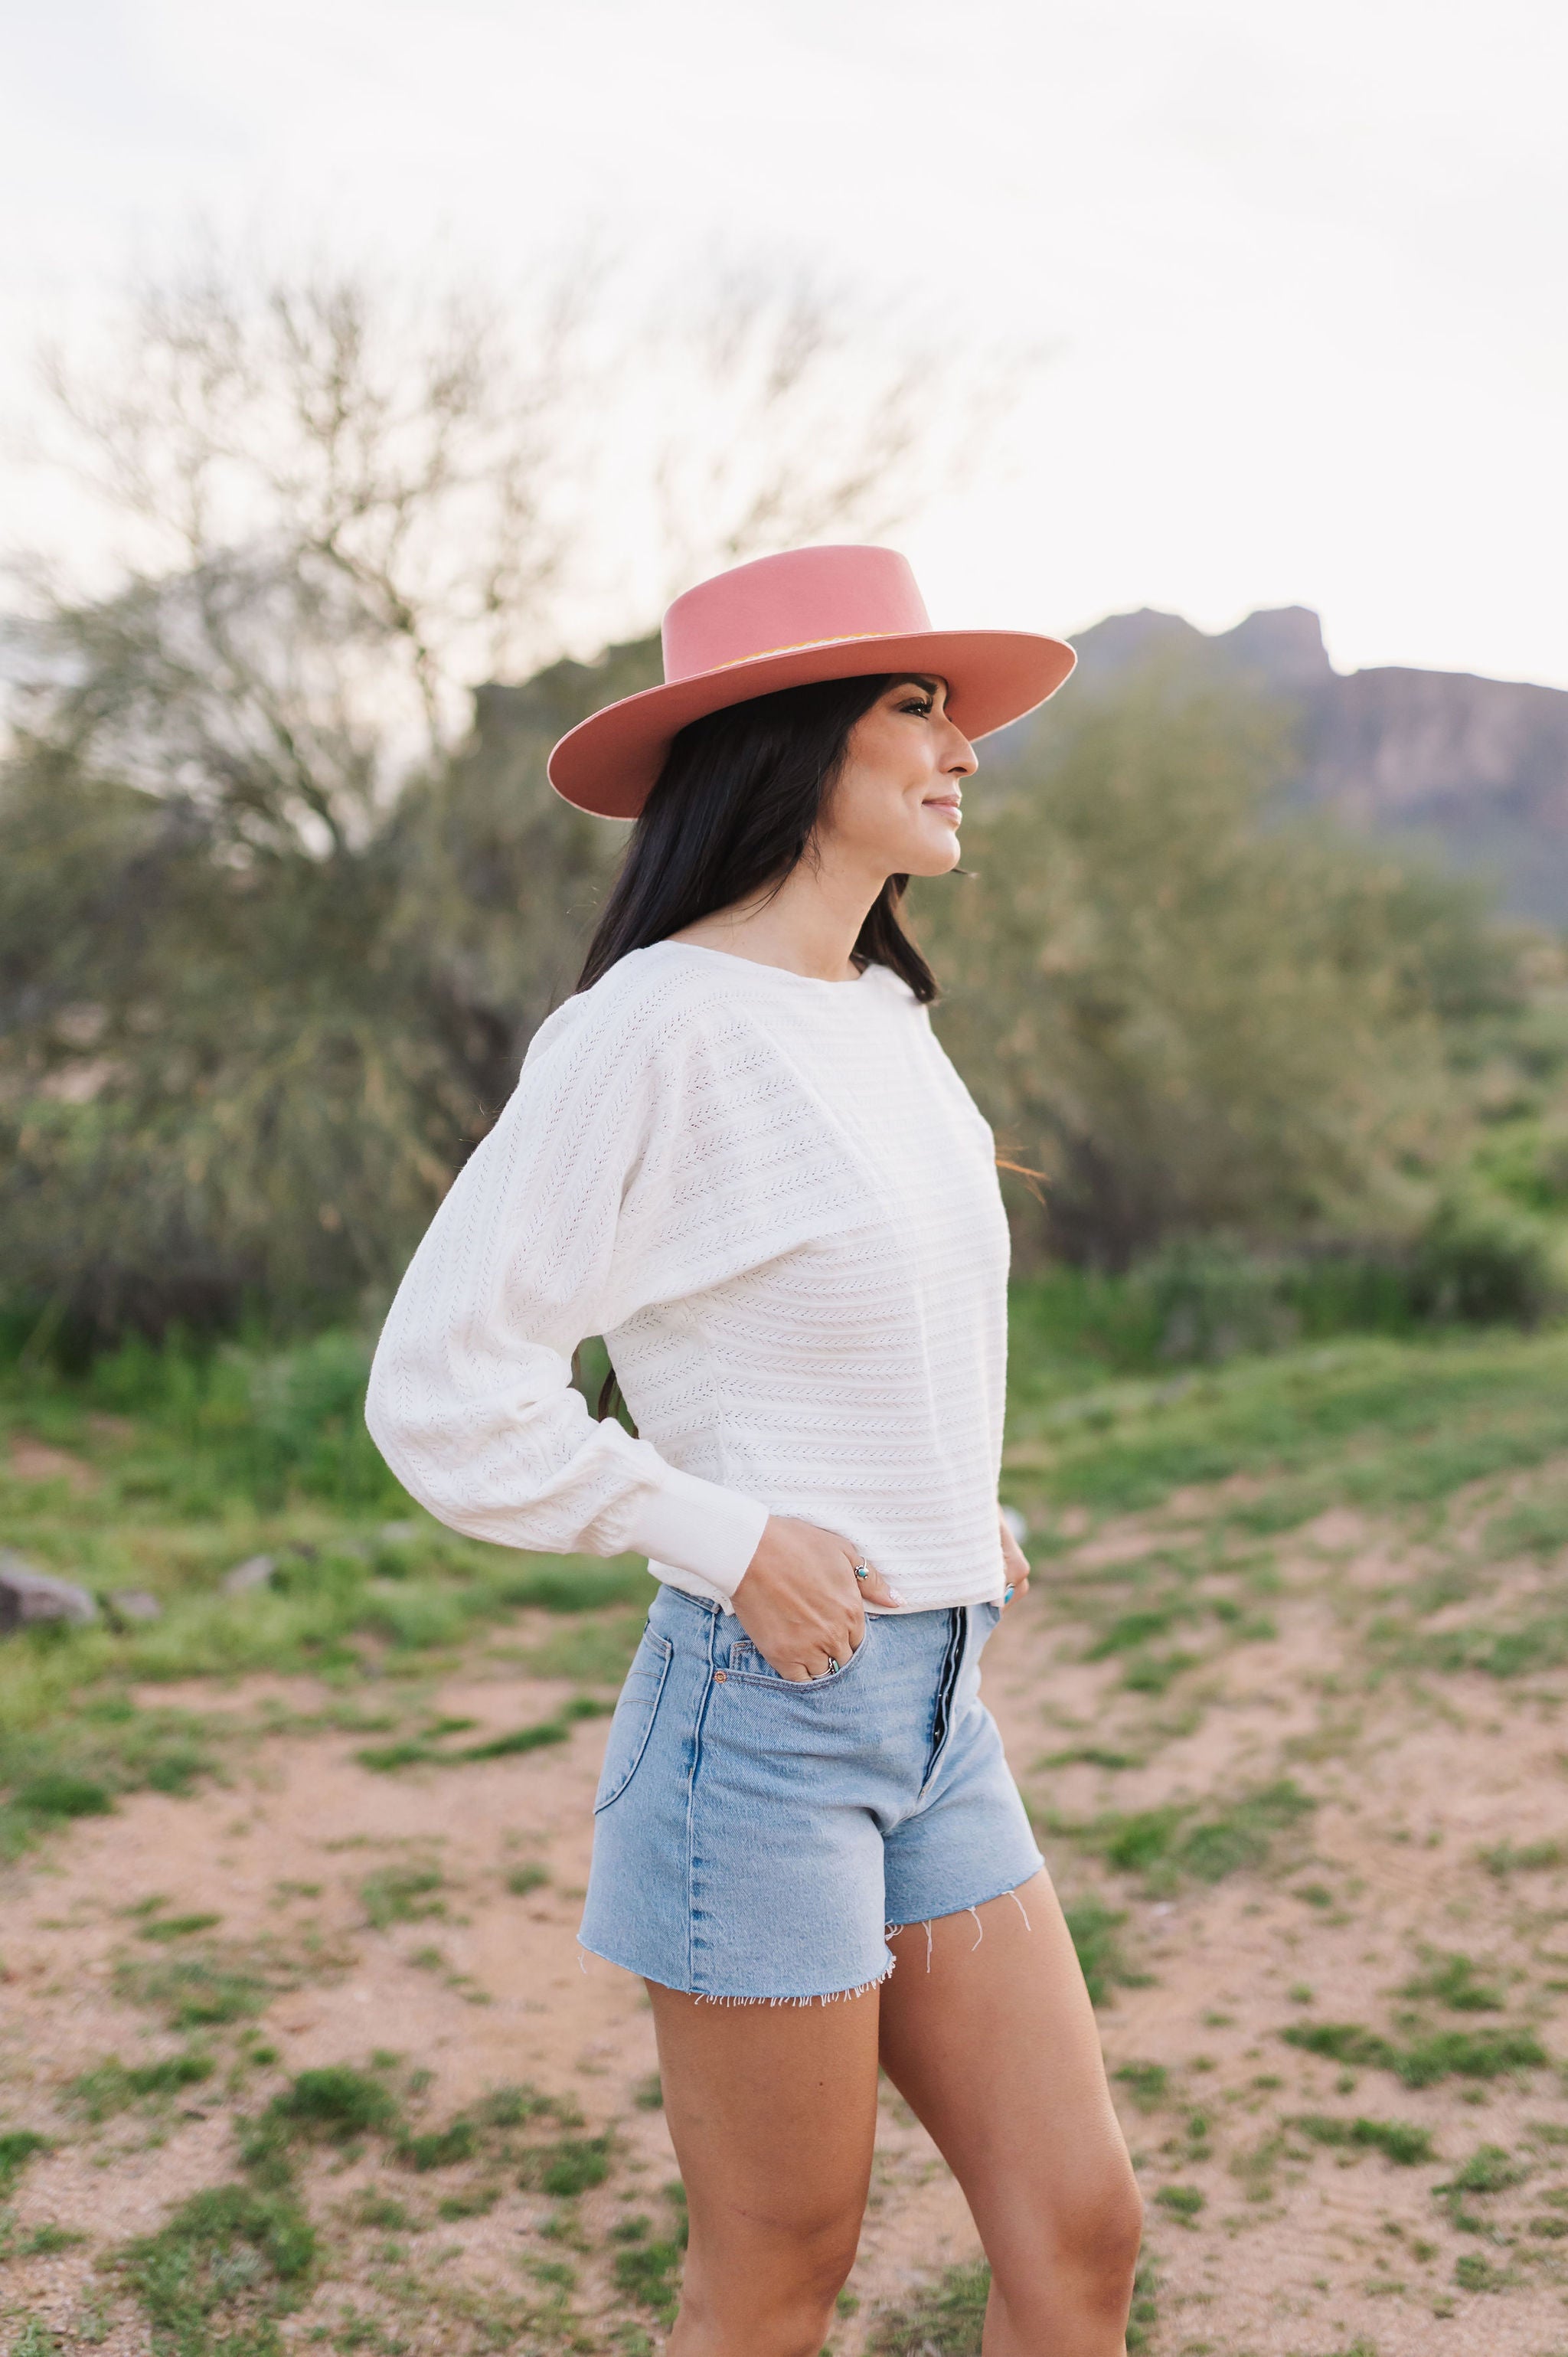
pixel 1264 2237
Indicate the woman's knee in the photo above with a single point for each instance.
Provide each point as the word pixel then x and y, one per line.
pixel 1082 2244
pixel 1111 2232
pixel 777 2302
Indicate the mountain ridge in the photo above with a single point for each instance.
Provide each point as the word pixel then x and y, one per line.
pixel 1476 767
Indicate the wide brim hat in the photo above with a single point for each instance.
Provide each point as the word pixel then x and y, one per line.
pixel 784 621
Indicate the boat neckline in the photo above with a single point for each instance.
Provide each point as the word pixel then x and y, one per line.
pixel 766 965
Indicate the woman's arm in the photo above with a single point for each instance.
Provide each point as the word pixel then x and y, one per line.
pixel 471 1400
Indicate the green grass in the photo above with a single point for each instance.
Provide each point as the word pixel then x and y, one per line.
pixel 62 1796
pixel 197 1459
pixel 113 2086
pixel 1474 2272
pixel 213 2281
pixel 947 2321
pixel 572 2165
pixel 440 2148
pixel 1148 2084
pixel 1165 1845
pixel 401 1894
pixel 190 1463
pixel 1096 1930
pixel 18 2147
pixel 199 1991
pixel 513 2107
pixel 1373 1422
pixel 337 2102
pixel 1398 2140
pixel 1451 1980
pixel 34 2339
pixel 649 2275
pixel 210 1465
pixel 1521 1650
pixel 423 1752
pixel 1489 2169
pixel 45 2240
pixel 1537 1526
pixel 1528 1858
pixel 1465 2053
pixel 592 1653
pixel 947 2318
pixel 169 1927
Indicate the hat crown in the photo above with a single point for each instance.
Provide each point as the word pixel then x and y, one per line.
pixel 800 599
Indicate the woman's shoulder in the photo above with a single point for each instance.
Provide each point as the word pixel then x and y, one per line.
pixel 652 1002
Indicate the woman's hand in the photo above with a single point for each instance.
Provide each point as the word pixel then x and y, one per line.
pixel 799 1601
pixel 1015 1563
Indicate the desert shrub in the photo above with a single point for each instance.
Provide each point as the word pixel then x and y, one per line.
pixel 1186 1018
pixel 1483 1260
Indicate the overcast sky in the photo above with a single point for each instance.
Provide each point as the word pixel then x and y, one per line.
pixel 1303 269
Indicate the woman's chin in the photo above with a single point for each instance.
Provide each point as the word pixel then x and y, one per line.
pixel 935 854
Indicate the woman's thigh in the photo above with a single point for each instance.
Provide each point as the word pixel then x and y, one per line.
pixel 989 2034
pixel 772 2111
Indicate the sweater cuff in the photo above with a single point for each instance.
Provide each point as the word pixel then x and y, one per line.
pixel 696 1526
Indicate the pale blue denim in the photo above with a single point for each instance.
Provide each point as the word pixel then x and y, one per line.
pixel 754 1840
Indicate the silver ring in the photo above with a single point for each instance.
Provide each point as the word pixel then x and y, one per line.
pixel 862 1569
pixel 833 1663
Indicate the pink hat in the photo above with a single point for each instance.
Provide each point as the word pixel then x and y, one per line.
pixel 811 614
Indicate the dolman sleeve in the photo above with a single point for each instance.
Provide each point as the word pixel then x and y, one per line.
pixel 471 1400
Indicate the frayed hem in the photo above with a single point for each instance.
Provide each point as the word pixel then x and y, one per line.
pixel 704 1996
pixel 892 1931
pixel 828 1997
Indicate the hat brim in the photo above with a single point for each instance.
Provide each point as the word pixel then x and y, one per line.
pixel 608 763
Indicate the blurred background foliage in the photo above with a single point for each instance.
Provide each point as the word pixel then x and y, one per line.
pixel 284 890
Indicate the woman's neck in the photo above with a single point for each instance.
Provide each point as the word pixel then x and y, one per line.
pixel 809 926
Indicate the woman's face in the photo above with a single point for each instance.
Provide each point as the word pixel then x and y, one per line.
pixel 895 805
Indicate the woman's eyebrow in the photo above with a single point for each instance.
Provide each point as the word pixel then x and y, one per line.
pixel 931 686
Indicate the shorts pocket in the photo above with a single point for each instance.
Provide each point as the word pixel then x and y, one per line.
pixel 751 1668
pixel 634 1715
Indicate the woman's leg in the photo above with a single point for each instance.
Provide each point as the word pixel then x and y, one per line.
pixel 995 2049
pixel 772 2109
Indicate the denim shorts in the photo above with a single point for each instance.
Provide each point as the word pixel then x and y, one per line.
pixel 756 1839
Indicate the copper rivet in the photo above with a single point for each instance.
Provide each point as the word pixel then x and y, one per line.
pixel 721 1675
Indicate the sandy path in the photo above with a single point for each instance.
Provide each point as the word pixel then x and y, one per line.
pixel 1294 2252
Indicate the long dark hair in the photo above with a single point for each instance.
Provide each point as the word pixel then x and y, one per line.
pixel 733 812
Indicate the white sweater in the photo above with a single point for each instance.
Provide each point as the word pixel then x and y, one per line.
pixel 775 1200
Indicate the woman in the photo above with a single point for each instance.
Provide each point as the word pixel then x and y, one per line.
pixel 740 1156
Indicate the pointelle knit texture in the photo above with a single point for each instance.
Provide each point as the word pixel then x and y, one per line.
pixel 777 1202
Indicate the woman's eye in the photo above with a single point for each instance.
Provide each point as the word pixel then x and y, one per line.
pixel 921 704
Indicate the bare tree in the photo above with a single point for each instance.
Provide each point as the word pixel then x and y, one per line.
pixel 342 506
pixel 335 504
pixel 268 949
pixel 809 410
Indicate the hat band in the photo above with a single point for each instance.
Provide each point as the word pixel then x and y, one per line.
pixel 800 646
